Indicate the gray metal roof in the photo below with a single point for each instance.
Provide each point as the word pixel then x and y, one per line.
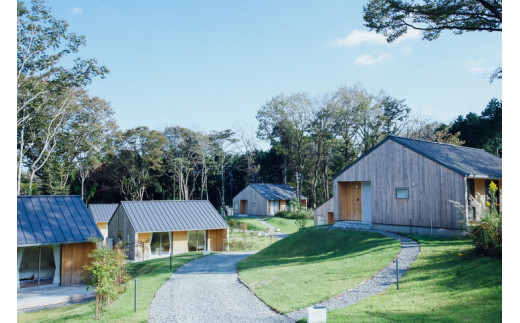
pixel 468 162
pixel 102 212
pixel 53 219
pixel 160 216
pixel 276 191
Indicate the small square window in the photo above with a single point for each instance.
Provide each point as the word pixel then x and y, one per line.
pixel 402 193
pixel 235 205
pixel 253 204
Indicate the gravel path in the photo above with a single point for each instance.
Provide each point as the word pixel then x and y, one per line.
pixel 375 285
pixel 208 290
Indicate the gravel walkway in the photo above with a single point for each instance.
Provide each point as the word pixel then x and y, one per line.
pixel 375 285
pixel 208 290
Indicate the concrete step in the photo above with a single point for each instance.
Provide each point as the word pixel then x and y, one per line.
pixel 353 225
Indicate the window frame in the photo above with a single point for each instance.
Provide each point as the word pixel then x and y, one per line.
pixel 398 189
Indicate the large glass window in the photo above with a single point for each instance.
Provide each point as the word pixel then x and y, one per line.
pixel 37 266
pixel 275 207
pixel 160 243
pixel 196 240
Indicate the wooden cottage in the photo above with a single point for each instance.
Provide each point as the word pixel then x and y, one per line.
pixel 158 228
pixel 265 199
pixel 53 239
pixel 407 185
pixel 324 214
pixel 102 214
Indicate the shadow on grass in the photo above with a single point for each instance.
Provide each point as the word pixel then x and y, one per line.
pixel 455 312
pixel 314 245
pixel 454 268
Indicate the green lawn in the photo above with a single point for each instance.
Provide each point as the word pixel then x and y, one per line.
pixel 249 241
pixel 252 224
pixel 440 286
pixel 286 225
pixel 315 264
pixel 152 274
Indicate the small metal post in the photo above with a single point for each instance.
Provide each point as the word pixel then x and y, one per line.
pixel 397 272
pixel 410 226
pixel 135 295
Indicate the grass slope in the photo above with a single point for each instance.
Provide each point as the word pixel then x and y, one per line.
pixel 441 285
pixel 152 274
pixel 286 225
pixel 315 264
pixel 252 224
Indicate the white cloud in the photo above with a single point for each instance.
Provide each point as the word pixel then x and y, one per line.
pixel 371 60
pixel 357 37
pixel 76 11
pixel 478 67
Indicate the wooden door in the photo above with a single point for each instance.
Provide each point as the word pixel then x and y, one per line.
pixel 243 206
pixel 350 201
pixel 330 218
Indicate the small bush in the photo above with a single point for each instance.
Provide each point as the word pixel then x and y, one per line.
pixel 487 233
pixel 281 214
pixel 299 214
pixel 107 274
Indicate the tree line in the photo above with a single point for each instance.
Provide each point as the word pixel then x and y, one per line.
pixel 69 143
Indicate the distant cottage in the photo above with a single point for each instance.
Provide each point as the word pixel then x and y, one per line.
pixel 405 185
pixel 265 199
pixel 157 228
pixel 102 213
pixel 53 239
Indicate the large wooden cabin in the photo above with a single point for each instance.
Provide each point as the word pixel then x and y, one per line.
pixel 407 185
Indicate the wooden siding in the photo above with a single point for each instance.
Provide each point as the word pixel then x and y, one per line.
pixel 283 205
pixel 143 249
pixel 432 188
pixel 120 222
pixel 180 242
pixel 323 211
pixel 330 218
pixel 73 257
pixel 103 228
pixel 349 195
pixel 216 239
pixel 256 203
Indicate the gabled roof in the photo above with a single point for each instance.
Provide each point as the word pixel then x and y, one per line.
pixel 466 161
pixel 102 212
pixel 276 191
pixel 160 216
pixel 53 219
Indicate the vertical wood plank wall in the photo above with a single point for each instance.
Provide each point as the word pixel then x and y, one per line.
pixel 283 205
pixel 432 187
pixel 216 239
pixel 143 249
pixel 180 242
pixel 73 258
pixel 323 211
pixel 253 198
pixel 103 228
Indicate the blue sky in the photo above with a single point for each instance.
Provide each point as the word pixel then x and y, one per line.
pixel 210 65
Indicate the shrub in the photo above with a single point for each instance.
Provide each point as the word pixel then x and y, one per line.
pixel 487 233
pixel 299 213
pixel 107 274
pixel 281 214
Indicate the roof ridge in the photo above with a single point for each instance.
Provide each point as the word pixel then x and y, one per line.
pixel 48 195
pixel 435 142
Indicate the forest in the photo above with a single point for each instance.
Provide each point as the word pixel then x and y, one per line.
pixel 68 142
